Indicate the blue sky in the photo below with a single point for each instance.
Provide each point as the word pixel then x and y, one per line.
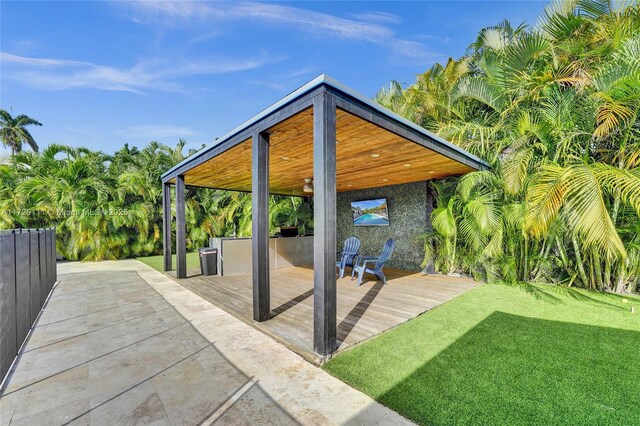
pixel 99 74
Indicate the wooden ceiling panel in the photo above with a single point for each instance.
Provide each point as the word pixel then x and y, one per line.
pixel 291 154
pixel 368 156
pixel 229 170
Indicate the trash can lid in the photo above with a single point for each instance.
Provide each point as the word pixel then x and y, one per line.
pixel 207 250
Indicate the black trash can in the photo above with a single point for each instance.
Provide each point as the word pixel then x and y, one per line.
pixel 208 261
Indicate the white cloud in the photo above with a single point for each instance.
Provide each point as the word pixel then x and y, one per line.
pixel 375 16
pixel 41 62
pixel 412 49
pixel 61 74
pixel 367 28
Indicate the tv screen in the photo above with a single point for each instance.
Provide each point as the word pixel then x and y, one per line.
pixel 370 212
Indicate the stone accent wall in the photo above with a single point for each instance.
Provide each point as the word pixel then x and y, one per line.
pixel 407 205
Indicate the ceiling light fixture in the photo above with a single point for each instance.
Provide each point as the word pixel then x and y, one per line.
pixel 284 158
pixel 431 172
pixel 375 155
pixel 385 180
pixel 407 165
pixel 308 185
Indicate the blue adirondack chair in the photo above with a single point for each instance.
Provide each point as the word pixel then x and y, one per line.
pixel 378 263
pixel 347 257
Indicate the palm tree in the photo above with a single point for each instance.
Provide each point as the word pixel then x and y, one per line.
pixel 554 109
pixel 108 206
pixel 13 132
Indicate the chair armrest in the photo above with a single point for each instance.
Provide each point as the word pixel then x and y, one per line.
pixel 363 260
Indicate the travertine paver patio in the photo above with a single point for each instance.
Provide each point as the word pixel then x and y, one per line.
pixel 120 343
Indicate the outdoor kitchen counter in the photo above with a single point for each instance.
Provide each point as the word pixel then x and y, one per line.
pixel 234 254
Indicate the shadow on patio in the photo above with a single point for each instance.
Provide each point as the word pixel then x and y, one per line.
pixel 362 311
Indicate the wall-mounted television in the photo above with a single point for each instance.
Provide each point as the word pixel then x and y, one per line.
pixel 370 212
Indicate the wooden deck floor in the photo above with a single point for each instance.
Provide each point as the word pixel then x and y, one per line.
pixel 362 312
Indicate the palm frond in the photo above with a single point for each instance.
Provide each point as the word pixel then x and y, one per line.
pixel 611 116
pixel 574 191
pixel 515 170
pixel 530 46
pixel 443 221
pixel 478 89
pixel 622 182
pixel 559 22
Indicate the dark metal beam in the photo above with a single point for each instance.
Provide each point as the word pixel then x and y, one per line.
pixel 181 229
pixel 166 225
pixel 324 216
pixel 357 108
pixel 260 225
pixel 190 185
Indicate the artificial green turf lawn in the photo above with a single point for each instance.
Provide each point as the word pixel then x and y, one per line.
pixel 156 261
pixel 505 355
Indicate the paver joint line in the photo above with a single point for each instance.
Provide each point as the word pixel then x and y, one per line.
pixel 93 359
pixel 96 312
pixel 95 330
pixel 187 362
pixel 134 386
pixel 220 411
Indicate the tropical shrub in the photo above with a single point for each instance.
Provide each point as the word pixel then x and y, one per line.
pixel 554 110
pixel 110 206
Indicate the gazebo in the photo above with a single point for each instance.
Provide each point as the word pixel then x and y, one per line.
pixel 322 131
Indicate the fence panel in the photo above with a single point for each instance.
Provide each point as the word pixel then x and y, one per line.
pixel 44 285
pixel 34 275
pixel 53 274
pixel 8 342
pixel 27 275
pixel 45 235
pixel 23 316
